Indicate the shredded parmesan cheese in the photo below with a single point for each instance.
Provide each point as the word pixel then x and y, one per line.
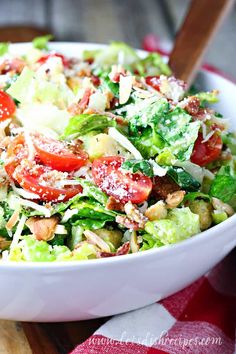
pixel 122 140
pixel 68 214
pixel 125 87
pixel 18 232
pixel 158 170
pixel 23 193
pixel 30 145
pixel 35 206
pixel 208 136
pixel 61 230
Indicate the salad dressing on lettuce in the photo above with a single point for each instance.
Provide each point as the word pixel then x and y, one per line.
pixel 105 155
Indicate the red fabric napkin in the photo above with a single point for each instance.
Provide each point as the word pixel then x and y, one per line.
pixel 199 319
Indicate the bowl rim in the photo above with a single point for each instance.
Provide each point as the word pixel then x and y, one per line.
pixel 213 232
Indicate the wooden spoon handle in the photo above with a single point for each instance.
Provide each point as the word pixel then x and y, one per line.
pixel 200 24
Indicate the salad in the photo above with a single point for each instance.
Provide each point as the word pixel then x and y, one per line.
pixel 105 155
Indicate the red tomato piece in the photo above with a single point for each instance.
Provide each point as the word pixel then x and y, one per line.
pixel 121 185
pixel 7 106
pixel 44 58
pixel 57 155
pixel 41 181
pixel 209 151
pixel 153 81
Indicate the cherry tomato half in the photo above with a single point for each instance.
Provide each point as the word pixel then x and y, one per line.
pixel 57 155
pixel 204 153
pixel 123 186
pixel 7 106
pixel 40 180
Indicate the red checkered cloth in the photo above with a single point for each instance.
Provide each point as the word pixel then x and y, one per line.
pixel 200 319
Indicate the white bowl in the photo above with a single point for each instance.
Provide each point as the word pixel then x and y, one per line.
pixel 82 290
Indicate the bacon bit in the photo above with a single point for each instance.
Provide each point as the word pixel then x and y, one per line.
pixel 114 102
pixel 13 220
pixel 135 215
pixel 4 244
pixel 89 61
pixel 113 204
pixel 78 108
pixel 15 66
pixel 42 228
pixel 203 114
pixel 124 249
pixel 109 99
pixel 192 105
pixel 96 240
pixel 162 186
pixel 85 99
pixel 95 80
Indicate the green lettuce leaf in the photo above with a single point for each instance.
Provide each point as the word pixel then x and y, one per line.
pixel 153 65
pixel 110 55
pixel 179 132
pixel 92 191
pixel 4 46
pixel 183 179
pixel 31 250
pixel 208 97
pixel 91 215
pixel 154 128
pixel 31 87
pixel 86 123
pixel 42 41
pixel 179 225
pixel 138 166
pixel 224 185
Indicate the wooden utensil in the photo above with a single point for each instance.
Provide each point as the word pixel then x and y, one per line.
pixel 201 23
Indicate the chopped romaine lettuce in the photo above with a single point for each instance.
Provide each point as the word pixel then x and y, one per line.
pixel 134 166
pixel 48 119
pixel 229 139
pixel 179 225
pixel 152 65
pixel 31 250
pixel 85 123
pixel 91 215
pixel 4 46
pixel 179 132
pixel 115 53
pixel 34 87
pixel 162 129
pixel 224 185
pixel 183 179
pixel 92 191
pixel 42 41
pixel 149 242
pixel 208 97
